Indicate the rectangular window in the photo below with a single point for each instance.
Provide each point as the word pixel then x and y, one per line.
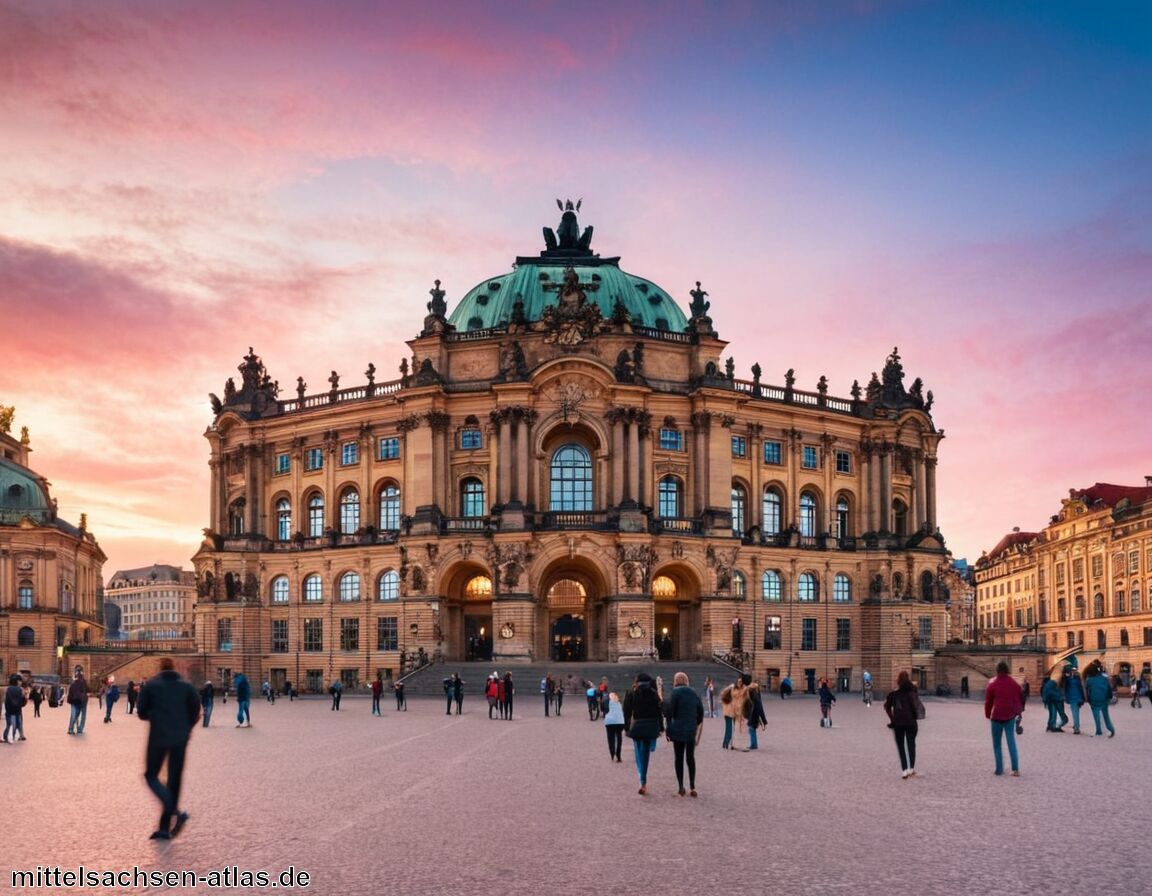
pixel 313 635
pixel 283 463
pixel 843 634
pixel 924 637
pixel 349 453
pixel 772 633
pixel 1133 563
pixel 279 635
pixel 671 440
pixel 387 633
pixel 1059 573
pixel 1019 618
pixel 470 438
pixel 810 458
pixel 772 453
pixel 389 448
pixel 349 634
pixel 1097 566
pixel 1147 636
pixel 1078 570
pixel 223 634
pixel 314 680
pixel 808 634
pixel 739 446
pixel 314 459
pixel 1041 577
pixel 843 462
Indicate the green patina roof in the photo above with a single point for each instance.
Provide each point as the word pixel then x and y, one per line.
pixel 535 280
pixel 22 492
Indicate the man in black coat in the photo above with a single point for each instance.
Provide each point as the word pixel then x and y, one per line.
pixel 172 707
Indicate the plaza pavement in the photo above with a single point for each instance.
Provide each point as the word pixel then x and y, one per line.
pixel 419 803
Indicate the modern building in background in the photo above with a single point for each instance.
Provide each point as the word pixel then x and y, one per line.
pixel 1081 586
pixel 568 468
pixel 50 570
pixel 154 603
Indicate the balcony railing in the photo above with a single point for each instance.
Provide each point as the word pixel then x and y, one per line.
pixel 574 519
pixel 451 524
pixel 685 525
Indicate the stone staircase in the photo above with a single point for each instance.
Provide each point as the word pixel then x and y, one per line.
pixel 429 681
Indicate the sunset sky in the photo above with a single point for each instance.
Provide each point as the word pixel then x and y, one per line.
pixel 971 182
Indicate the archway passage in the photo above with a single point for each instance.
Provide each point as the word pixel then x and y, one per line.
pixel 478 619
pixel 567 638
pixel 567 632
pixel 666 596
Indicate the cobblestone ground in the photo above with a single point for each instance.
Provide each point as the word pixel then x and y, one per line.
pixel 419 803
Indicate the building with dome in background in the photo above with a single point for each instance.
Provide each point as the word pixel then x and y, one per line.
pixel 568 469
pixel 50 570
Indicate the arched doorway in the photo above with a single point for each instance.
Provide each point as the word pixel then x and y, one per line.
pixel 665 594
pixel 676 619
pixel 566 601
pixel 478 619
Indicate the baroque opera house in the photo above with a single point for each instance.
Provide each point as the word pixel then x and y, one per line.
pixel 568 469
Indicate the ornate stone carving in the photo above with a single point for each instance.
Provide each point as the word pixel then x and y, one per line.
pixel 572 319
pixel 722 561
pixel 508 563
pixel 634 563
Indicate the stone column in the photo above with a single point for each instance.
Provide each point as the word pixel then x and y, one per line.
pixel 504 460
pixel 885 492
pixel 632 486
pixel 523 462
pixel 930 491
pixel 616 495
pixel 921 492
pixel 215 466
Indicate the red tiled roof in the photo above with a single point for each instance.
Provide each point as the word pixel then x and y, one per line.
pixel 1010 540
pixel 1110 495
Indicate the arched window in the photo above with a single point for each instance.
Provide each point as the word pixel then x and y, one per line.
pixel 280 590
pixel 283 520
pixel 389 509
pixel 313 589
pixel 1123 637
pixel 927 586
pixel 806 588
pixel 843 530
pixel 349 511
pixel 472 502
pixel 25 597
pixel 663 587
pixel 1135 607
pixel 236 517
pixel 316 515
pixel 773 504
pixel 1101 639
pixel 571 478
pixel 807 514
pixel 739 508
pixel 478 588
pixel 1080 606
pixel 1097 605
pixel 26 637
pixel 670 502
pixel 841 588
pixel 350 586
pixel 388 588
pixel 771 586
pixel 739 584
pixel 900 517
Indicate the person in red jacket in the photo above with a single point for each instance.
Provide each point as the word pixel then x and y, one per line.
pixel 1003 702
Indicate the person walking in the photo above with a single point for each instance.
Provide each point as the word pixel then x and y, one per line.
pixel 1099 692
pixel 171 707
pixel 756 717
pixel 1135 693
pixel 448 695
pixel 1073 687
pixel 78 701
pixel 643 722
pixel 243 700
pixel 546 693
pixel 685 717
pixel 827 698
pixel 336 689
pixel 902 706
pixel 509 695
pixel 1053 699
pixel 401 702
pixel 709 698
pixel 733 703
pixel 37 697
pixel 14 702
pixel 110 697
pixel 1003 704
pixel 377 692
pixel 132 694
pixel 614 726
pixel 558 695
pixel 458 692
pixel 207 698
pixel 492 694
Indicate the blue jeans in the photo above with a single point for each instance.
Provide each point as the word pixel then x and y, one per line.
pixel 15 724
pixel 206 711
pixel 727 732
pixel 1056 710
pixel 1007 730
pixel 643 751
pixel 752 738
pixel 242 714
pixel 1075 707
pixel 78 718
pixel 1097 712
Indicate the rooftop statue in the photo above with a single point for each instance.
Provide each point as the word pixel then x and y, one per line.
pixel 567 237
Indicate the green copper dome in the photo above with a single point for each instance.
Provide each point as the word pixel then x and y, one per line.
pixel 538 281
pixel 22 493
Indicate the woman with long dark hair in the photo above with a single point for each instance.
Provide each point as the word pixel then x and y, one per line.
pixel 901 705
pixel 685 713
pixel 643 722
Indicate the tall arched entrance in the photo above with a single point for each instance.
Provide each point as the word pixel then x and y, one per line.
pixel 676 618
pixel 571 625
pixel 466 621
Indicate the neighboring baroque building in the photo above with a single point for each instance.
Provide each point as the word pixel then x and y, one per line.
pixel 1081 586
pixel 568 468
pixel 49 569
pixel 154 602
